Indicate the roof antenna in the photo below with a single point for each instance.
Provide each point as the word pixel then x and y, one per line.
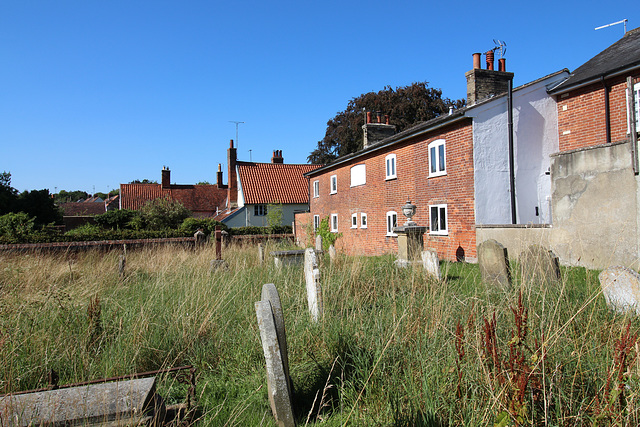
pixel 624 21
pixel 501 47
pixel 237 123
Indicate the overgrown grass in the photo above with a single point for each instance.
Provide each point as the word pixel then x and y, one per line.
pixel 394 347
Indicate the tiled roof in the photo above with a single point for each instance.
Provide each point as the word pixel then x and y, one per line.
pixel 274 182
pixel 82 208
pixel 196 198
pixel 620 56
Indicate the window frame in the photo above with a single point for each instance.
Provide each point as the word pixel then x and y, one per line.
pixel 333 184
pixel 636 90
pixel 316 222
pixel 391 159
pixel 354 220
pixel 389 226
pixel 440 157
pixel 260 210
pixel 316 188
pixel 440 231
pixel 363 220
pixel 334 216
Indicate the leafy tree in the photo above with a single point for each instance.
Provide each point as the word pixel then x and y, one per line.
pixel 406 106
pixel 118 219
pixel 328 237
pixel 39 204
pixel 8 194
pixel 161 214
pixel 144 181
pixel 16 226
pixel 207 225
pixel 203 183
pixel 70 196
pixel 274 215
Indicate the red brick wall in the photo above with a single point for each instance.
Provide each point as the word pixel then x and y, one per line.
pixel 581 115
pixel 378 196
pixel 302 221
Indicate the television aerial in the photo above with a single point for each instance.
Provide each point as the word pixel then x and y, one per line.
pixel 624 21
pixel 501 47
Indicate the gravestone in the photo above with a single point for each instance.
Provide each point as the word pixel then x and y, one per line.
pixel 260 253
pixel 218 236
pixel 277 381
pixel 312 279
pixel 621 289
pixel 332 254
pixel 494 264
pixel 270 293
pixel 200 238
pixel 431 263
pixel 132 402
pixel 122 262
pixel 539 265
pixel 318 243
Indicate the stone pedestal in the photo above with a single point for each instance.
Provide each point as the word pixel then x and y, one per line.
pixel 410 244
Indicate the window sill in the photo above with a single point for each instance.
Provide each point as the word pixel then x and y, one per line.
pixel 334 192
pixel 364 227
pixel 391 235
pixel 390 178
pixel 437 174
pixel 438 233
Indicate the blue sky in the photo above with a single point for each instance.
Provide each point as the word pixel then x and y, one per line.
pixel 98 93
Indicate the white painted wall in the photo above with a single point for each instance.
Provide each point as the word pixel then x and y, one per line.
pixel 535 121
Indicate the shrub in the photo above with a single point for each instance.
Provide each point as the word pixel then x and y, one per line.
pixel 16 227
pixel 116 219
pixel 328 237
pixel 208 225
pixel 161 214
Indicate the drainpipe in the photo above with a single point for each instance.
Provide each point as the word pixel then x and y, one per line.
pixel 607 114
pixel 512 173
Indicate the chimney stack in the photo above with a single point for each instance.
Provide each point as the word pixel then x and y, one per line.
pixel 219 177
pixel 376 132
pixel 166 177
pixel 277 157
pixel 232 185
pixel 485 84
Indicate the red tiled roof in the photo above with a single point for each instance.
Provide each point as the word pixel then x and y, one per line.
pixel 199 199
pixel 274 182
pixel 82 208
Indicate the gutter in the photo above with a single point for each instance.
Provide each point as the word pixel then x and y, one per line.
pixel 591 81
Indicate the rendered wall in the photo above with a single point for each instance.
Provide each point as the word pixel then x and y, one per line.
pixel 595 207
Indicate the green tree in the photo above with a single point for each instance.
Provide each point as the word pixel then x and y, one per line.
pixel 118 219
pixel 39 204
pixel 144 181
pixel 16 226
pixel 203 183
pixel 64 196
pixel 406 106
pixel 328 237
pixel 161 214
pixel 8 194
pixel 274 215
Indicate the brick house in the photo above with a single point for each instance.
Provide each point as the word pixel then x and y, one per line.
pixel 202 200
pixel 455 168
pixel 255 186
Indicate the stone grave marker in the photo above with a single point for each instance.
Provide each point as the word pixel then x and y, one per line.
pixel 431 263
pixel 332 254
pixel 621 289
pixel 270 293
pixel 200 239
pixel 318 243
pixel 122 262
pixel 494 264
pixel 312 279
pixel 132 402
pixel 539 265
pixel 260 253
pixel 277 381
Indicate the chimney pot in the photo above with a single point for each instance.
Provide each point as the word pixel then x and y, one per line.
pixel 379 116
pixel 502 64
pixel 476 60
pixel 386 119
pixel 368 116
pixel 490 59
pixel 231 144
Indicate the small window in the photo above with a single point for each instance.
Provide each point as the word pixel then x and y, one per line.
pixel 316 188
pixel 392 221
pixel 437 158
pixel 358 175
pixel 260 210
pixel 390 165
pixel 438 219
pixel 334 223
pixel 354 220
pixel 334 184
pixel 316 222
pixel 363 220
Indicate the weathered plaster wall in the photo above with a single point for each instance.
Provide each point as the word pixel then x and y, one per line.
pixel 515 238
pixel 595 207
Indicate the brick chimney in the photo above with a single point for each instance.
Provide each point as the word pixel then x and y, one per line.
pixel 277 157
pixel 166 177
pixel 484 84
pixel 219 177
pixel 232 185
pixel 376 132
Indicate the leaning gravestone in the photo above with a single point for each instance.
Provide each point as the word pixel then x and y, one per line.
pixel 621 289
pixel 539 265
pixel 494 264
pixel 278 386
pixel 332 254
pixel 312 279
pixel 318 243
pixel 431 263
pixel 270 293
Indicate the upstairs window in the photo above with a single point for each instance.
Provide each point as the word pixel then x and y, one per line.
pixel 334 184
pixel 334 223
pixel 390 165
pixel 392 221
pixel 363 220
pixel 437 158
pixel 316 222
pixel 316 188
pixel 260 210
pixel 438 214
pixel 358 175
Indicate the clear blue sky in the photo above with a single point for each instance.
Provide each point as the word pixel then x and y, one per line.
pixel 98 93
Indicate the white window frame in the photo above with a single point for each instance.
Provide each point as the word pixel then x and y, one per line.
pixel 390 167
pixel 334 223
pixel 358 175
pixel 363 220
pixel 316 188
pixel 316 222
pixel 440 231
pixel 333 184
pixel 440 157
pixel 392 221
pixel 354 220
pixel 636 91
pixel 259 210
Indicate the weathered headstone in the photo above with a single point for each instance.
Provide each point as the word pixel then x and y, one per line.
pixel 539 265
pixel 621 289
pixel 218 235
pixel 200 238
pixel 312 279
pixel 431 263
pixel 122 262
pixel 332 254
pixel 260 253
pixel 270 293
pixel 494 264
pixel 132 402
pixel 277 381
pixel 318 243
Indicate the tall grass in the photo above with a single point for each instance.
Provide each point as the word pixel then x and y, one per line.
pixel 394 347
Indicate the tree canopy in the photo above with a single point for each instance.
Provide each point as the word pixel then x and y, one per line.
pixel 406 106
pixel 38 204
